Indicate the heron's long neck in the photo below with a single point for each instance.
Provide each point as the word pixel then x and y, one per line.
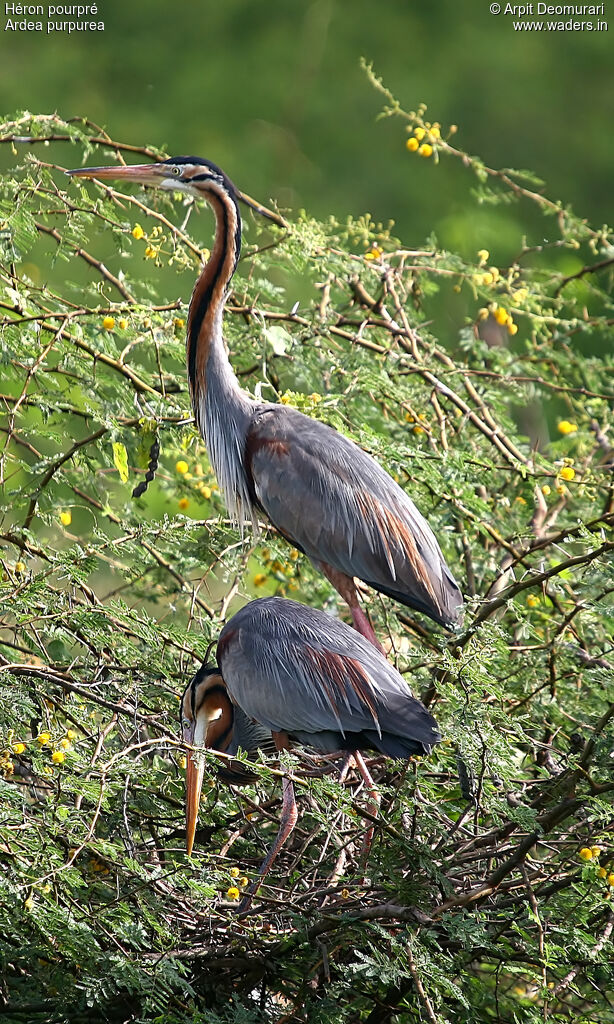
pixel 221 408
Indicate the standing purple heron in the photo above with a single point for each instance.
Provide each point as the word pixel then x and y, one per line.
pixel 321 491
pixel 287 674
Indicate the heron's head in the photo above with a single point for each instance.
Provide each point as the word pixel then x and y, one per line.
pixel 206 721
pixel 189 174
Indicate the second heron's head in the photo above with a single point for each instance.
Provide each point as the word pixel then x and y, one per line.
pixel 207 719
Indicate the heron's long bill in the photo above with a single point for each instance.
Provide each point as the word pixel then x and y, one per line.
pixel 193 785
pixel 143 174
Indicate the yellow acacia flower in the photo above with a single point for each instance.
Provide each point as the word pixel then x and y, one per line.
pixel 533 600
pixel 602 873
pixel 108 323
pixel 419 133
pixel 233 893
pixel 585 853
pixel 483 255
pixel 183 503
pixel 58 756
pixel 425 150
pixel 512 328
pixel 243 881
pixel 137 232
pixel 412 144
pixel 568 473
pixel 259 579
pixel 546 489
pixel 43 738
pixel 181 466
pixel 150 253
pixel 234 872
pixel 65 518
pixel 179 322
pixel 122 324
pixel 345 894
pixel 18 748
pixel 435 131
pixel 595 850
pixel 20 566
pixel 71 734
pixel 205 491
pixel 565 427
pixel 29 903
pixel 611 879
pixel 501 315
pixel 64 744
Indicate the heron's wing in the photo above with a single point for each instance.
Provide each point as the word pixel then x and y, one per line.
pixel 339 506
pixel 295 670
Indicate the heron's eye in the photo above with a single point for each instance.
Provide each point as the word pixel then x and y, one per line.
pixel 176 171
pixel 185 723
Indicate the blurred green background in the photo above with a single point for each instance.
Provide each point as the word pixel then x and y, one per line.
pixel 274 93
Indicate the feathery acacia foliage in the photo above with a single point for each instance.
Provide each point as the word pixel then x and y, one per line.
pixel 488 887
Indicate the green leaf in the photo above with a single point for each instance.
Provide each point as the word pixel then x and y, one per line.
pixel 120 458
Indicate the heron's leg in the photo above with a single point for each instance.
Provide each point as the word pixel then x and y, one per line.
pixel 346 587
pixel 373 807
pixel 345 767
pixel 289 815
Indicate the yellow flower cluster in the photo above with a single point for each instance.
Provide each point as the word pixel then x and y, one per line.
pixel 240 881
pixel 108 322
pixel 565 427
pixel 374 253
pixel 499 313
pixel 567 473
pixel 417 429
pixel 283 572
pixel 66 518
pixel 205 490
pixel 588 853
pixel 423 139
pixel 533 601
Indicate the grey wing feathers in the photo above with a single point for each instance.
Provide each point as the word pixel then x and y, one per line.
pixel 296 670
pixel 339 506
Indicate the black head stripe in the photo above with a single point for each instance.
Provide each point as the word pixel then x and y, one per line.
pixel 207 165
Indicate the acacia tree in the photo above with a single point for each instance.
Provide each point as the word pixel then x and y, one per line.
pixel 488 888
